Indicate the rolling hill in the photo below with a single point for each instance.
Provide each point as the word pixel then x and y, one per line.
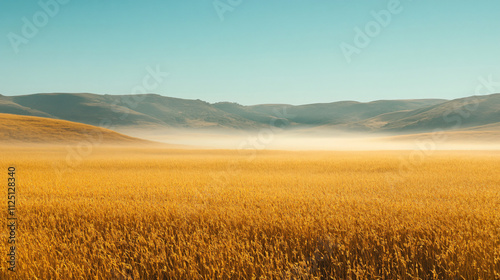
pixel 27 129
pixel 152 111
pixel 148 110
pixel 456 114
pixel 344 111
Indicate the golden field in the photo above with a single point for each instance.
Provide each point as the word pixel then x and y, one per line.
pixel 139 213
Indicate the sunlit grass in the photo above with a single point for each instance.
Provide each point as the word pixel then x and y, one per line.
pixel 206 214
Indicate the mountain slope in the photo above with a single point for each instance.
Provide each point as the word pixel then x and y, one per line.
pixel 9 107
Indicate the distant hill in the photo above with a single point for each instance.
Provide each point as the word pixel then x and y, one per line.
pixel 487 127
pixel 457 114
pixel 153 111
pixel 451 115
pixel 28 129
pixel 344 111
pixel 149 110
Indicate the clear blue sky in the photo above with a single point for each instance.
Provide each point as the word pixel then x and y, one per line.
pixel 268 51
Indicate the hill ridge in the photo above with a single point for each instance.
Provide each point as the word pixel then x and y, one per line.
pixel 157 111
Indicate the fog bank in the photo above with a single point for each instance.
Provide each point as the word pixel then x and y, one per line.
pixel 268 139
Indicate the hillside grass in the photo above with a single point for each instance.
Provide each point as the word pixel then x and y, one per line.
pixel 29 129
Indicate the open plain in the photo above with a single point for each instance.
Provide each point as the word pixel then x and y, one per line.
pixel 155 213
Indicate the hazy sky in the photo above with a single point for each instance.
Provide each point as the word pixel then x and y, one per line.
pixel 268 51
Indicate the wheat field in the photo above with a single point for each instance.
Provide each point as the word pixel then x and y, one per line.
pixel 139 213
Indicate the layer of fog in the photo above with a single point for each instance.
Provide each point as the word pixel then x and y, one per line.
pixel 267 139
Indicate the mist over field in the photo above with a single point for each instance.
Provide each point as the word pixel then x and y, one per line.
pixel 317 139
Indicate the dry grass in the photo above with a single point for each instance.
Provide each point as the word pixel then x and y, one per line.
pixel 173 214
pixel 28 129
